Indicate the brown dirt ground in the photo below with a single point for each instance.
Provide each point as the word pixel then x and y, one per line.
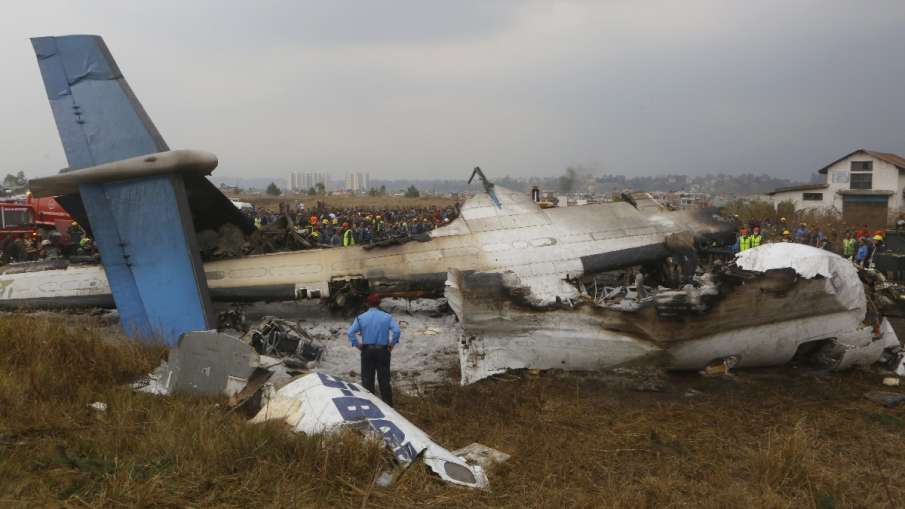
pixel 766 438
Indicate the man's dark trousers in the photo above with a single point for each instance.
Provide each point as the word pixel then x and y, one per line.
pixel 376 359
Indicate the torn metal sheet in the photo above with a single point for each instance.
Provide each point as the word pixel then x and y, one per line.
pixel 204 363
pixel 758 318
pixel 321 403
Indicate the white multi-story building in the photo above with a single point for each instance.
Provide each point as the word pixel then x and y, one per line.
pixel 299 181
pixel 866 186
pixel 358 182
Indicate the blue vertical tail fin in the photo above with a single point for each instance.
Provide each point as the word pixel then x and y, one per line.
pixel 143 225
pixel 98 117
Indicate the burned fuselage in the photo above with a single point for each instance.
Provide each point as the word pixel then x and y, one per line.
pixel 775 302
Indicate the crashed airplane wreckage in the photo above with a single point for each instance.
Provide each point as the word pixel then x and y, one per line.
pixel 144 204
pixel 776 303
pixel 518 276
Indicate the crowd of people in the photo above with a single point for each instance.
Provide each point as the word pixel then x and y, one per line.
pixel 856 244
pixel 337 227
pixel 321 226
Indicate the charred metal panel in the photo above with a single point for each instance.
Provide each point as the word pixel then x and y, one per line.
pixel 622 258
pixel 254 293
pixel 416 285
pixel 75 301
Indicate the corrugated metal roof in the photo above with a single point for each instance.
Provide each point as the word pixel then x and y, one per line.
pixel 893 159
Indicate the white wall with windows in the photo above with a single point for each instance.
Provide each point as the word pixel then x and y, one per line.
pixel 861 171
pixel 805 199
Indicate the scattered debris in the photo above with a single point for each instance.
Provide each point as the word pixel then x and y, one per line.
pixel 99 406
pixel 228 241
pixel 233 318
pixel 286 340
pixel 692 393
pixel 320 403
pixel 891 381
pixel 480 454
pixel 720 367
pixel 249 397
pixel 205 363
pixel 158 382
pixel 211 364
pixel 888 399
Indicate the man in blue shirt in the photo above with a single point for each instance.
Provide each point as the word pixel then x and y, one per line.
pixel 376 345
pixel 861 255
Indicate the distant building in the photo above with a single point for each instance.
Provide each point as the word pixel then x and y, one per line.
pixel 358 182
pixel 299 181
pixel 867 186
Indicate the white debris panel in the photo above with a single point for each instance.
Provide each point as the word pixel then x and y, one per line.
pixel 321 403
pixel 809 263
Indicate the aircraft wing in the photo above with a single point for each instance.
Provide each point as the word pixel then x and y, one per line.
pixel 100 120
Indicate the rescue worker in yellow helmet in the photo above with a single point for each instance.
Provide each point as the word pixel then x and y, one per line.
pixel 756 238
pixel 348 238
pixel 848 245
pixel 744 240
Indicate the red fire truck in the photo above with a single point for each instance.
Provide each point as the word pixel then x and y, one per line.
pixel 37 217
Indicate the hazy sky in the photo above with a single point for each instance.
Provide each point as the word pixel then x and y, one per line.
pixel 417 88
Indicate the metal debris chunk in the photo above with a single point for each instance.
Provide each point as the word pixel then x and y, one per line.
pixel 480 454
pixel 720 367
pixel 204 363
pixel 322 403
pixel 282 338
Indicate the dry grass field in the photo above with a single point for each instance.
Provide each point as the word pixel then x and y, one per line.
pixel 766 438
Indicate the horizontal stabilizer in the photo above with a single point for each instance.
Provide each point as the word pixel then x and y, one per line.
pixel 102 124
pixel 164 163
